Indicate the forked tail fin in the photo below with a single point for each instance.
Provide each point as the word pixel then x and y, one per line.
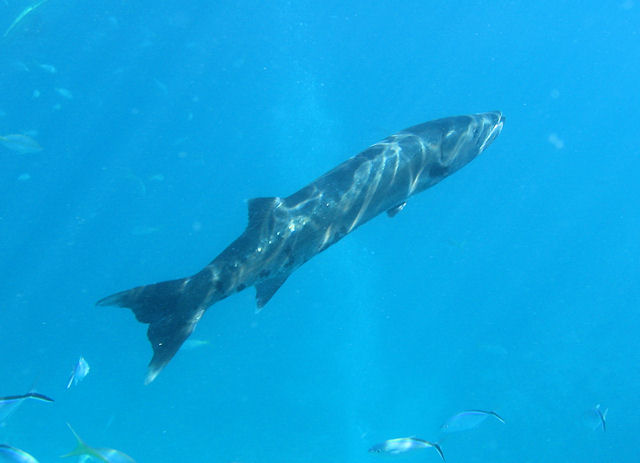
pixel 171 308
pixel 82 449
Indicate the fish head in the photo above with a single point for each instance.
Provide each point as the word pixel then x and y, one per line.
pixel 465 137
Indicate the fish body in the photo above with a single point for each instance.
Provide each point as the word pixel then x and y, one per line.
pixel 20 143
pixel 14 455
pixel 79 372
pixel 106 455
pixel 467 419
pixel 285 232
pixel 404 444
pixel 9 404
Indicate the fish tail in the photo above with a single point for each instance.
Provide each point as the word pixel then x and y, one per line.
pixel 436 446
pixel 498 417
pixel 82 448
pixel 171 308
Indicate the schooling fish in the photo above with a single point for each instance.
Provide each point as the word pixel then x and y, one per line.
pixel 12 454
pixel 100 453
pixel 79 372
pixel 9 404
pixel 284 233
pixel 404 444
pixel 467 419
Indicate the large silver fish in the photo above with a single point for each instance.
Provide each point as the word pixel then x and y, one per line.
pixel 284 233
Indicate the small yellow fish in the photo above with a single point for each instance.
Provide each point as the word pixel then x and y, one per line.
pixel 20 143
pixel 100 453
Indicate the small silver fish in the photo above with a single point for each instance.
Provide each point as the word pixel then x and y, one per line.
pixel 79 372
pixel 141 230
pixel 8 453
pixel 467 419
pixel 597 418
pixel 20 143
pixel 64 93
pixel 405 444
pixel 191 344
pixel 21 16
pixel 9 404
pixel 50 68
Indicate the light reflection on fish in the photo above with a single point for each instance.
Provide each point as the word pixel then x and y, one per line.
pixel 20 143
pixel 467 419
pixel 106 455
pixel 9 404
pixel 405 444
pixel 12 454
pixel 596 418
pixel 79 372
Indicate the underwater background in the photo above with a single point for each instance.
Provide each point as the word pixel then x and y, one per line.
pixel 512 286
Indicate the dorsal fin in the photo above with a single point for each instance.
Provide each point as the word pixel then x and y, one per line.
pixel 259 208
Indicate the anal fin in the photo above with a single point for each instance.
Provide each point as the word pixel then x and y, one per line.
pixel 267 288
pixel 395 209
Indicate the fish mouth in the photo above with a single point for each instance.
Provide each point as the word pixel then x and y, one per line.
pixel 496 121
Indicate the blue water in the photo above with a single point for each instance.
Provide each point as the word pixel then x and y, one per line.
pixel 512 286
